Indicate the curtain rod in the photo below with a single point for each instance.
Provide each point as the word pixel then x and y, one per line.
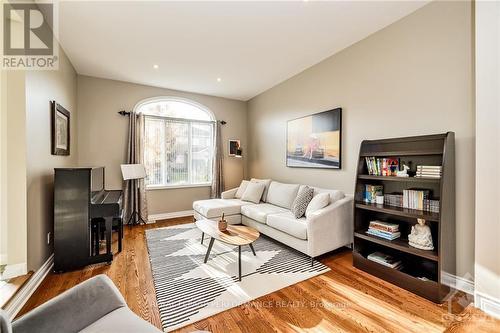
pixel 127 113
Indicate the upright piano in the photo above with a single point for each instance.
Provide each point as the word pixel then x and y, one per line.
pixel 80 201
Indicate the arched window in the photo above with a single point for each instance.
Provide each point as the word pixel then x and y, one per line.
pixel 178 142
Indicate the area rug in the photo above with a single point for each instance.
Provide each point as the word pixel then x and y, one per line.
pixel 187 290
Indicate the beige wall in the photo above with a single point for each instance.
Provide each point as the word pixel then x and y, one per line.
pixel 487 266
pixel 3 169
pixel 102 135
pixel 41 88
pixel 411 78
pixel 13 171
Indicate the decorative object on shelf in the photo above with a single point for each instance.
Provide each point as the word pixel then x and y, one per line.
pixel 420 236
pixel 404 172
pixel 60 138
pixel 222 225
pixel 428 171
pixel 379 200
pixel 315 141
pixel 234 146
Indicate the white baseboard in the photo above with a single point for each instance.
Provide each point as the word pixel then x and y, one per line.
pixel 458 282
pixel 22 296
pixel 12 271
pixel 165 216
pixel 488 304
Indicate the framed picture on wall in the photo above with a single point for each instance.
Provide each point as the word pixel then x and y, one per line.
pixel 315 141
pixel 60 138
pixel 234 145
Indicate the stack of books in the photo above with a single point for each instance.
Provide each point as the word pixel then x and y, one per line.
pixel 386 260
pixel 382 166
pixel 389 231
pixel 414 198
pixel 429 171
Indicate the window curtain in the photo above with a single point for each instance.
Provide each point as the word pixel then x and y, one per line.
pixel 134 194
pixel 218 176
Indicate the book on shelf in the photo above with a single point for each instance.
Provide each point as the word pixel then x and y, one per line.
pixel 414 198
pixel 396 200
pixel 382 166
pixel 393 199
pixel 428 171
pixel 384 226
pixel 385 230
pixel 386 260
pixel 371 193
pixel 384 234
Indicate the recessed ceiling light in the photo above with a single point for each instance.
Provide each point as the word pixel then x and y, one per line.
pixel 156 66
pixel 219 79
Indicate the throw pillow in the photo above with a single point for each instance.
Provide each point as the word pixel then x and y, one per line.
pixel 266 182
pixel 241 189
pixel 321 200
pixel 253 192
pixel 301 202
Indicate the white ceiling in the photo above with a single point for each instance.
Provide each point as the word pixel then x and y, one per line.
pixel 251 46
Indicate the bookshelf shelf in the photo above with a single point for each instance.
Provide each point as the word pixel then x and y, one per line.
pixel 435 150
pixel 400 244
pixel 402 153
pixel 399 211
pixel 401 179
pixel 428 289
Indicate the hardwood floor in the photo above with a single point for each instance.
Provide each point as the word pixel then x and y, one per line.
pixel 342 300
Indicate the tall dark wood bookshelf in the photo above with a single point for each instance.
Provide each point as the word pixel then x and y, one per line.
pixel 423 270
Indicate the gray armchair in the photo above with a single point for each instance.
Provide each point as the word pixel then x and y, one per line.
pixel 95 305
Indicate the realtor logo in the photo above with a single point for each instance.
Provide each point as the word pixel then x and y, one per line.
pixel 28 38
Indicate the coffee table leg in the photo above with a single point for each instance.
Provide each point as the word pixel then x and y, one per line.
pixel 239 263
pixel 202 237
pixel 209 249
pixel 251 247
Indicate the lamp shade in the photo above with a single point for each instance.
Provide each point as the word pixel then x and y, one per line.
pixel 133 171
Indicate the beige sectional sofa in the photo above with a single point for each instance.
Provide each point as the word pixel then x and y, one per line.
pixel 322 231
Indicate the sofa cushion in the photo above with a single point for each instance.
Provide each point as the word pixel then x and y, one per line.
pixel 215 207
pixel 301 202
pixel 253 192
pixel 260 212
pixel 266 182
pixel 334 194
pixel 319 201
pixel 120 320
pixel 241 189
pixel 282 195
pixel 287 223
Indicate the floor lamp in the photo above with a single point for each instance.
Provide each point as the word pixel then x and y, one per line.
pixel 134 172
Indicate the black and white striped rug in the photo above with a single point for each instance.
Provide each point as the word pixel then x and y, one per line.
pixel 188 290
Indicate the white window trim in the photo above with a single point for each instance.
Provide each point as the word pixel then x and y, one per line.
pixel 182 100
pixel 174 99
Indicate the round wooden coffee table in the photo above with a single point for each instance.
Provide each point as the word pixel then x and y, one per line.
pixel 234 235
